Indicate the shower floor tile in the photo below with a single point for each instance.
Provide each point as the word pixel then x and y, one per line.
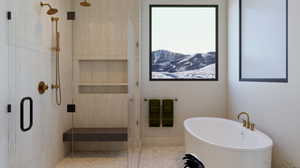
pixel 151 157
pixel 95 160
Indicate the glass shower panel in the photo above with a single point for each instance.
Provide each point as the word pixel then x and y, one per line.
pixel 105 91
pixel 5 133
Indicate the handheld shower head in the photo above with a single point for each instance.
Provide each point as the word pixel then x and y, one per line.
pixel 51 10
pixel 85 3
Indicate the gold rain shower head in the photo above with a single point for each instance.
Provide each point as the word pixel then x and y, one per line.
pixel 51 10
pixel 85 3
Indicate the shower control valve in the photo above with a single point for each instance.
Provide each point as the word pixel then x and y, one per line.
pixel 42 87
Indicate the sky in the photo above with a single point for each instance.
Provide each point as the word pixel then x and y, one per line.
pixel 186 30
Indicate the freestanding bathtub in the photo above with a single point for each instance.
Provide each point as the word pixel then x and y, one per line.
pixel 222 143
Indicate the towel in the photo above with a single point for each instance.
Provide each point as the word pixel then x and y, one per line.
pixel 154 113
pixel 168 113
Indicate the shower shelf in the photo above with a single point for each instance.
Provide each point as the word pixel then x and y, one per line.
pixel 103 84
pixel 101 59
pixel 95 134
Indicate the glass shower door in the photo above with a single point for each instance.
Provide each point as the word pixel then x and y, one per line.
pixel 31 64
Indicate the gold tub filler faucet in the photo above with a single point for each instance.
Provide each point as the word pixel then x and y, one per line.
pixel 246 123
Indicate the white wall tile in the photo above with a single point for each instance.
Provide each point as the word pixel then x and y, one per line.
pixel 100 31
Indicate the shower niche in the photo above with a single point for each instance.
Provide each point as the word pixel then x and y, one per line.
pixel 103 75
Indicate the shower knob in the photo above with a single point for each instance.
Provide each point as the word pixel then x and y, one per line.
pixel 43 87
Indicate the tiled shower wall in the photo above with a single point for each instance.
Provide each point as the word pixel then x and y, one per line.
pixel 100 32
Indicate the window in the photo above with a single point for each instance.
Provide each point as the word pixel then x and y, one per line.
pixel 183 42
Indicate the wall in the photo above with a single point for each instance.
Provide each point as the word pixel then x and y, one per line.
pixel 273 107
pixel 196 99
pixel 31 39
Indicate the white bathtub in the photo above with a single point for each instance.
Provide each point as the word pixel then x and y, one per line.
pixel 222 143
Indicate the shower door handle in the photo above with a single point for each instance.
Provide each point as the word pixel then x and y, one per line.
pixel 22 126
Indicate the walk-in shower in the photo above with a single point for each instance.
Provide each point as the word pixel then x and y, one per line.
pixel 88 57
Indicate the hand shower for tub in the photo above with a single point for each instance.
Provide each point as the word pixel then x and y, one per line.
pixel 57 85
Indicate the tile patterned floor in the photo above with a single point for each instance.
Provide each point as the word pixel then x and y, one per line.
pixel 95 160
pixel 151 157
pixel 161 157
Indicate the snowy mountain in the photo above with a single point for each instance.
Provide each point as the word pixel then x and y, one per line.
pixel 207 72
pixel 168 65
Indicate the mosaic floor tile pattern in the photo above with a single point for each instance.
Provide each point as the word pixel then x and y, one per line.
pixel 151 157
pixel 162 157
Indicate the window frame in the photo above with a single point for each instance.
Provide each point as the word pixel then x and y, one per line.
pixel 151 6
